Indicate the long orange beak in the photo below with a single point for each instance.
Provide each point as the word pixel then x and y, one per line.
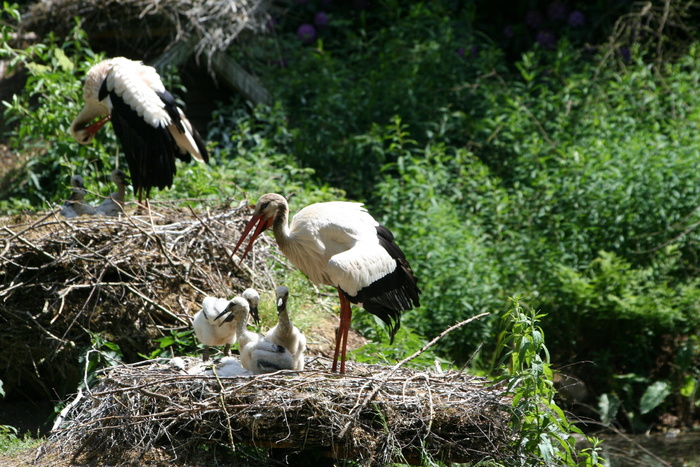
pixel 263 224
pixel 95 127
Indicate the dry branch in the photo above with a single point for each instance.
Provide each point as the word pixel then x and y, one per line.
pixel 61 280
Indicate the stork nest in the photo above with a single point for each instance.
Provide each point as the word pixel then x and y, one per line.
pixel 150 27
pixel 130 279
pixel 152 412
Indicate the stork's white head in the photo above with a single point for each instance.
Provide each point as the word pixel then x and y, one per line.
pixel 253 298
pixel 83 129
pixel 76 181
pixel 119 178
pixel 282 296
pixel 237 308
pixel 268 209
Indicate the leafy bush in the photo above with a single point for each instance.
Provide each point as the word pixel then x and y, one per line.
pixel 545 435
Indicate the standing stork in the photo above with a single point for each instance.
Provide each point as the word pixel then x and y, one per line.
pixel 285 333
pixel 151 128
pixel 340 244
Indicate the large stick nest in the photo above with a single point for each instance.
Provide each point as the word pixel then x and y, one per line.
pixel 153 412
pixel 148 27
pixel 132 279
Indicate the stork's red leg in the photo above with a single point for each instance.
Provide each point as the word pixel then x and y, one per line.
pixel 342 338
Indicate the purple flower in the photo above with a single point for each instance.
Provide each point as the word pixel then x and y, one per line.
pixel 460 51
pixel 321 19
pixel 306 33
pixel 556 10
pixel 508 31
pixel 546 39
pixel 533 19
pixel 576 19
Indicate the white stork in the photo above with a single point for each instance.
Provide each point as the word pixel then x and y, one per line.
pixel 258 354
pixel 151 128
pixel 285 333
pixel 212 331
pixel 340 244
pixel 75 205
pixel 114 205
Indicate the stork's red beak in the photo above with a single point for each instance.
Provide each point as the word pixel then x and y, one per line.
pixel 263 224
pixel 95 127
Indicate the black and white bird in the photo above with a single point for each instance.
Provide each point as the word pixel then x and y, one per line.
pixel 284 333
pixel 257 354
pixel 75 205
pixel 114 204
pixel 152 129
pixel 340 244
pixel 211 328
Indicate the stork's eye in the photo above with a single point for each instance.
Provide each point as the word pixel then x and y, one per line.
pixel 264 205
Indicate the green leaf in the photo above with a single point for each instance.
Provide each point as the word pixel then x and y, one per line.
pixel 608 404
pixel 64 62
pixel 654 396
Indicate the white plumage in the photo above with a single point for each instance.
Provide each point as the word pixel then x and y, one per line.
pixel 340 244
pixel 211 328
pixel 114 204
pixel 257 354
pixel 227 367
pixel 75 205
pixel 284 333
pixel 151 128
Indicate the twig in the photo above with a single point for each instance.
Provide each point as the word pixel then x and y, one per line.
pixel 376 389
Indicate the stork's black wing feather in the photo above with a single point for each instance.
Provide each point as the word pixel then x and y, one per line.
pixel 394 293
pixel 150 152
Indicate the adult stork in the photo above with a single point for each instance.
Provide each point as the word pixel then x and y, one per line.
pixel 151 128
pixel 284 333
pixel 114 204
pixel 258 354
pixel 340 244
pixel 75 205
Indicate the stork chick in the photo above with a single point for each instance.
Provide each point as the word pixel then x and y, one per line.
pixel 253 298
pixel 258 354
pixel 285 333
pixel 114 205
pixel 211 329
pixel 75 205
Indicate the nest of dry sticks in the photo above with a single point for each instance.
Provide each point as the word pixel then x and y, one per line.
pixel 151 27
pixel 131 278
pixel 375 415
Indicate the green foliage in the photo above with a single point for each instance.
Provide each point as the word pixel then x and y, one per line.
pixel 40 117
pixel 102 354
pixel 545 435
pixel 11 443
pixel 178 342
